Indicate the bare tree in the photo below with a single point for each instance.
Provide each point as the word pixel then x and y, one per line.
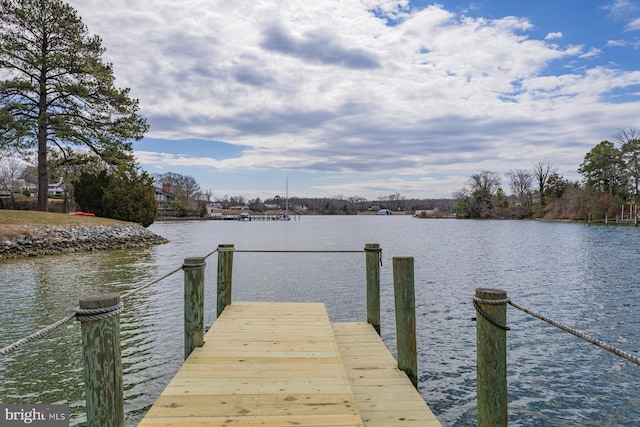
pixel 521 181
pixel 184 187
pixel 10 170
pixel 482 187
pixel 486 182
pixel 541 172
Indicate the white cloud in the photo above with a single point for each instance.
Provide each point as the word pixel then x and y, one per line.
pixel 330 86
pixel 620 8
pixel 593 52
pixel 554 36
pixel 633 25
pixel 616 43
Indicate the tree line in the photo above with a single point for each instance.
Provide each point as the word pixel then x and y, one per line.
pixel 610 180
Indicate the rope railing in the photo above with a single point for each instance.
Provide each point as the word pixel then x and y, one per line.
pixel 100 323
pixel 24 341
pixel 312 251
pixel 82 315
pixel 605 346
pixel 292 251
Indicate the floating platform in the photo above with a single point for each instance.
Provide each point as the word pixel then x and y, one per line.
pixel 286 364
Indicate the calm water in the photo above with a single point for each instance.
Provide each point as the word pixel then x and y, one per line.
pixel 585 277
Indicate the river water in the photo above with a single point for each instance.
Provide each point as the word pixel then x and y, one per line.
pixel 585 277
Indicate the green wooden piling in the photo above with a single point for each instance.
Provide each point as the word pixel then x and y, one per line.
pixel 405 303
pixel 102 361
pixel 225 271
pixel 492 360
pixel 372 254
pixel 193 304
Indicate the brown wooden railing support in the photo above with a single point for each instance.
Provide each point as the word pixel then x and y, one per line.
pixel 100 329
pixel 405 303
pixel 193 304
pixel 492 359
pixel 225 272
pixel 373 255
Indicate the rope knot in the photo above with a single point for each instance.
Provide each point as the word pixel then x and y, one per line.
pixel 189 267
pixel 476 303
pixel 91 314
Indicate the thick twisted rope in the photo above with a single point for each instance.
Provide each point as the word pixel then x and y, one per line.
pixel 16 345
pixel 494 322
pixel 91 314
pixel 601 344
pixel 294 251
pixel 618 352
pixel 138 289
pixel 83 315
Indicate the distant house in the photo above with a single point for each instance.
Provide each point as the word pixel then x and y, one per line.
pixel 214 209
pixel 239 208
pixel 384 212
pixel 272 207
pixel 164 196
pixel 56 189
pixel 374 208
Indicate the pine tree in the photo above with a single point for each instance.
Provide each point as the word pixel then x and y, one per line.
pixel 55 87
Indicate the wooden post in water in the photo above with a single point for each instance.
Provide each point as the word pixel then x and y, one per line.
pixel 492 360
pixel 405 302
pixel 225 271
pixel 193 304
pixel 373 257
pixel 100 329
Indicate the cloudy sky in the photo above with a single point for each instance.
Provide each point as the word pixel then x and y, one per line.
pixel 370 97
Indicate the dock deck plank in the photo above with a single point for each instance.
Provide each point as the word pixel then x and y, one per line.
pixel 282 364
pixel 262 364
pixel 384 394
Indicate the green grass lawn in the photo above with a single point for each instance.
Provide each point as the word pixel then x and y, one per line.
pixel 12 222
pixel 11 217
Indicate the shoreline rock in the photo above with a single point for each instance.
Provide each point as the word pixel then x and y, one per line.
pixel 35 240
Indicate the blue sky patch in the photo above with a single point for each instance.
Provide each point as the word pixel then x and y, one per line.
pixel 191 147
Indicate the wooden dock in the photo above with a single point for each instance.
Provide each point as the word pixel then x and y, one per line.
pixel 286 364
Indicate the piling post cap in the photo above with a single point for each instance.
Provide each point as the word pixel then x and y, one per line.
pixel 403 258
pixel 371 246
pixel 193 262
pixel 99 301
pixel 225 247
pixel 484 293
